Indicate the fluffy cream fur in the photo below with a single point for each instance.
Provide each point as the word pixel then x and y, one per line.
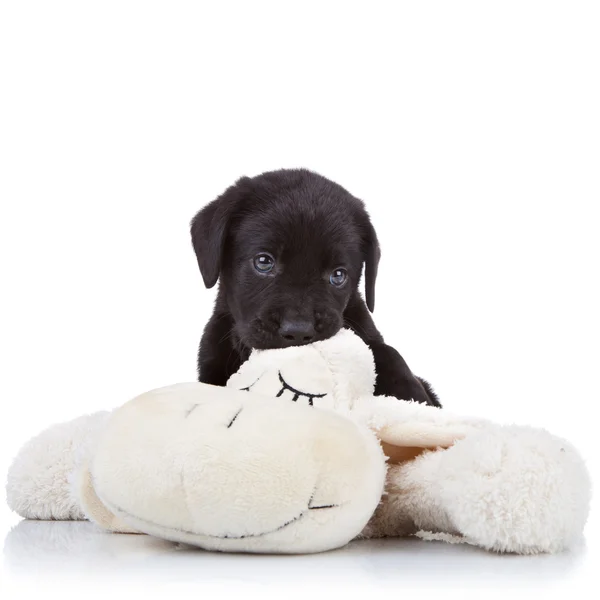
pixel 235 471
pixel 38 485
pixel 508 489
pixel 289 458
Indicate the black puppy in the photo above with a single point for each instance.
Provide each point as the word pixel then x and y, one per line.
pixel 288 247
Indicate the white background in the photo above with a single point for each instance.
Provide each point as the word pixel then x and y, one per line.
pixel 471 130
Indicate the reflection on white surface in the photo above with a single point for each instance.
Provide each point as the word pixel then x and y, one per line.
pixel 77 550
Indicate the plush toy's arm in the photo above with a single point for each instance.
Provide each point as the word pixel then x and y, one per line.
pixel 508 489
pixel 39 480
pixel 410 502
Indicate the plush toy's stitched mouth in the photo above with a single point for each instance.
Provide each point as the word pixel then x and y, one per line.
pixel 120 512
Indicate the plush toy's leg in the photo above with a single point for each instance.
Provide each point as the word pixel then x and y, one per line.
pixel 508 489
pixel 39 480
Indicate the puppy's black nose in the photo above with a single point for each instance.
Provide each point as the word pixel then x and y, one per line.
pixel 296 332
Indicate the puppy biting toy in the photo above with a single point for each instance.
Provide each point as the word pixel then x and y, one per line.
pixel 296 455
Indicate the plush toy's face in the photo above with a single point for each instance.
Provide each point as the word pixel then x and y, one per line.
pixel 339 374
pixel 235 471
pixel 328 374
pixel 257 466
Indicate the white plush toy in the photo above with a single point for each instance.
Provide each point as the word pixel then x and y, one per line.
pixel 297 455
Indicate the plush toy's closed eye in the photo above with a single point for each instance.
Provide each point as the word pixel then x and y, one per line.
pixel 297 393
pixel 285 386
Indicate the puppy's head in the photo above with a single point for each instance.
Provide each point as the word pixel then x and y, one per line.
pixel 288 247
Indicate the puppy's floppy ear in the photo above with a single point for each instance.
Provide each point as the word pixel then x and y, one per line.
pixel 372 254
pixel 209 230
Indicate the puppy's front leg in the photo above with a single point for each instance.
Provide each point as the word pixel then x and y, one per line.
pixel 394 378
pixel 218 356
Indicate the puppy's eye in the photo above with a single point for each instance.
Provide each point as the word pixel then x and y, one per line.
pixel 264 262
pixel 338 277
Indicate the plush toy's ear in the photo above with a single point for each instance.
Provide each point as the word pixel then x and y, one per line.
pixel 405 441
pixel 372 254
pixel 209 230
pixel 405 429
pixel 400 454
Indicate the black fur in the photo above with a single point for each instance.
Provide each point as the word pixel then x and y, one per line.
pixel 310 226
